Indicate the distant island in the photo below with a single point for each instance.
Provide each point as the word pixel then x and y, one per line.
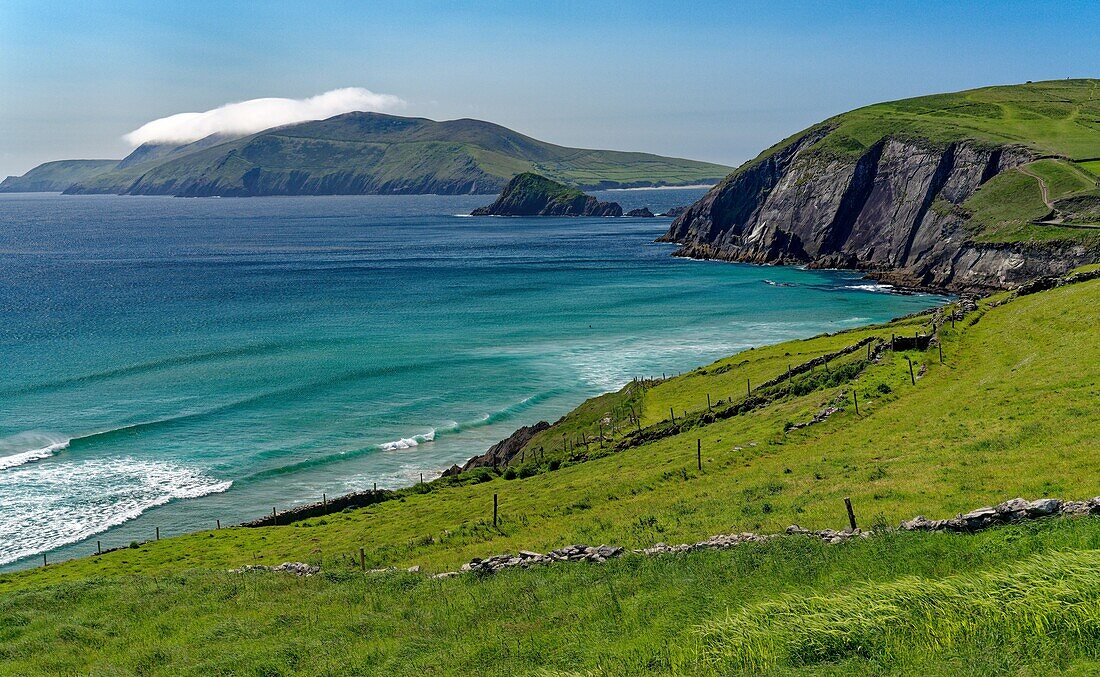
pixel 529 194
pixel 361 154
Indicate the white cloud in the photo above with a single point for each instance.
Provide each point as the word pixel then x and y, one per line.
pixel 246 117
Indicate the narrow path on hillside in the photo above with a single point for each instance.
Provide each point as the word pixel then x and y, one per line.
pixel 1042 186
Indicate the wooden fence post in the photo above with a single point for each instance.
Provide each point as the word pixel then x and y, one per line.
pixel 672 413
pixel 494 510
pixel 324 501
pixel 851 513
pixel 699 453
pixel 43 559
pixel 911 376
pixel 855 398
pixel 748 387
pixel 158 533
pixel 708 401
pixel 362 560
pixel 274 517
pixel 219 523
pixel 98 548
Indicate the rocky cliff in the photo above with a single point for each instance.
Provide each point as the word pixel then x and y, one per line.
pixel 529 194
pixel 892 189
pixel 502 452
pixel 888 211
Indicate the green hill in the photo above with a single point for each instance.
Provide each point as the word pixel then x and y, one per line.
pixel 372 153
pixel 56 176
pixel 1054 117
pixel 987 424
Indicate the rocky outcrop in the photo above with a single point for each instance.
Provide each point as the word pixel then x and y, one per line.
pixel 891 210
pixel 640 213
pixel 529 194
pixel 675 211
pixel 359 499
pixel 502 452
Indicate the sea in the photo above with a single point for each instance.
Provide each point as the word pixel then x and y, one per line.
pixel 170 362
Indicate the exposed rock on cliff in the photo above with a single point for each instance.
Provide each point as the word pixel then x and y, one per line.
pixel 502 452
pixel 529 194
pixel 887 211
pixel 640 213
pixel 892 189
pixel 675 211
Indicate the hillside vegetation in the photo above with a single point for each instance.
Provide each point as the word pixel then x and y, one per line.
pixel 1009 412
pixel 56 176
pixel 373 153
pixel 1059 118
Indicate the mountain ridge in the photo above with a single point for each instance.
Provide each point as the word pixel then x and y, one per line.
pixel 375 153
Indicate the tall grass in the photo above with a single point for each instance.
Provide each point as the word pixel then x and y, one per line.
pixel 1042 604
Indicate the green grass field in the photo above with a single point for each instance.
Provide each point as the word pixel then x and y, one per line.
pixel 1055 116
pixel 1010 412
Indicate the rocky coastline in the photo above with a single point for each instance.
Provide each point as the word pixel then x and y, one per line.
pixel 892 211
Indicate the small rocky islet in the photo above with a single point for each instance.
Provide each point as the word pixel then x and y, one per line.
pixel 529 194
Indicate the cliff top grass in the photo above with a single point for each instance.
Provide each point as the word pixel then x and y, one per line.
pixel 1056 117
pixel 987 424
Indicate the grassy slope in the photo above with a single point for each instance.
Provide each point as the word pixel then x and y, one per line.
pixel 988 424
pixel 1056 117
pixel 56 176
pixel 982 427
pixel 629 616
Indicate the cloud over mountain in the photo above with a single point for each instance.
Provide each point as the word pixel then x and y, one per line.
pixel 246 117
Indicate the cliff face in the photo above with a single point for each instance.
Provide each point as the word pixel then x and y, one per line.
pixel 529 194
pixel 891 210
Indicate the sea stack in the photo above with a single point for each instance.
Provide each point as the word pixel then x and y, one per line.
pixel 529 194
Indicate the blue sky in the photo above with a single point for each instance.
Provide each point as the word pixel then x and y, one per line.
pixel 709 80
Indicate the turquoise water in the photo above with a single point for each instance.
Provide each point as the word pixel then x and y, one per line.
pixel 169 362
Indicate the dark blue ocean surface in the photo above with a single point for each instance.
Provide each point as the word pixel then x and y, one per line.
pixel 168 362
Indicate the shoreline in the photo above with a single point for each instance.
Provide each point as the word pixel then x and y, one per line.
pixel 366 497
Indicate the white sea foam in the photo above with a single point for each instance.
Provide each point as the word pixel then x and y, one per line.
pixel 29 447
pixel 67 501
pixel 407 442
pixel 873 286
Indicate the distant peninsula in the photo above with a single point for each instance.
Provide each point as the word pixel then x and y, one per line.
pixel 529 194
pixel 362 154
pixel 54 177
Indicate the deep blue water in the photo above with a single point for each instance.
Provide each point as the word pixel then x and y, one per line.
pixel 168 362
